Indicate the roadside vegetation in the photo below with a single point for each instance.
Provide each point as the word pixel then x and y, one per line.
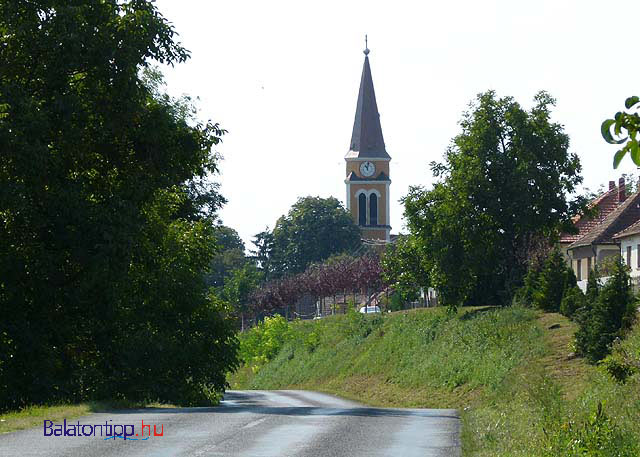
pixel 509 371
pixel 108 213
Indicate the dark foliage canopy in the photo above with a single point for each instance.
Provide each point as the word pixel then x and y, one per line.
pixel 502 186
pixel 106 214
pixel 313 230
pixel 229 256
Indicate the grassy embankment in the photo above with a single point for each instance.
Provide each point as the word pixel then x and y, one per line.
pixel 506 370
pixel 33 416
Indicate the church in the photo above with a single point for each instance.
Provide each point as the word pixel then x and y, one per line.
pixel 367 165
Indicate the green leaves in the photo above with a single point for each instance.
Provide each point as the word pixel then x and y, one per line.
pixel 502 188
pixel 617 158
pixel 108 216
pixel 605 129
pixel 609 311
pixel 635 156
pixel 623 122
pixel 313 230
pixel 629 102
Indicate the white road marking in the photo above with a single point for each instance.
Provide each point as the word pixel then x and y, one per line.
pixel 255 422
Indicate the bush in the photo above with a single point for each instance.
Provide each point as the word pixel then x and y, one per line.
pixel 524 295
pixel 620 364
pixel 551 282
pixel 396 302
pixel 598 436
pixel 546 283
pixel 618 367
pixel 605 319
pixel 572 300
pixel 593 286
pixel 262 343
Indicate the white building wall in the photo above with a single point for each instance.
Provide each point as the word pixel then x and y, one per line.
pixel 631 241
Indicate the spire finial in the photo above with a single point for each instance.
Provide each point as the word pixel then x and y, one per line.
pixel 366 46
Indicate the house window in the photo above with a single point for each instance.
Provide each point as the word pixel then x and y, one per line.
pixel 373 209
pixel 629 256
pixel 362 209
pixel 579 269
pixel 588 267
pixel 638 255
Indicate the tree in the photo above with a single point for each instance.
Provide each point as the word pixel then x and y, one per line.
pixel 502 186
pixel 263 251
pixel 107 212
pixel 572 301
pixel 552 282
pixel 239 287
pixel 605 319
pixel 629 122
pixel 230 256
pixel 313 230
pixel 404 268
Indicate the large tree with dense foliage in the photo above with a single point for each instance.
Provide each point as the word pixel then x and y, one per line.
pixel 106 212
pixel 503 185
pixel 313 230
pixel 230 256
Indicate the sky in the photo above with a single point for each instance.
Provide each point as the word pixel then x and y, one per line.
pixel 282 77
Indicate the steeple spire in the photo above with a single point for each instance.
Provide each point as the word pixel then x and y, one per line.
pixel 366 139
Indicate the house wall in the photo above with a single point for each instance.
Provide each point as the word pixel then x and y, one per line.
pixel 584 259
pixel 608 250
pixel 632 242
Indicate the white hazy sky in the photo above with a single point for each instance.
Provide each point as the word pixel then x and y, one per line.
pixel 282 78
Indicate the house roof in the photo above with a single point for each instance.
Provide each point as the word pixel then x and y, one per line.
pixel 366 138
pixel 382 176
pixel 622 217
pixel 633 229
pixel 603 205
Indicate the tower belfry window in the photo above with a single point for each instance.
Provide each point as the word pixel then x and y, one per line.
pixel 362 209
pixel 373 209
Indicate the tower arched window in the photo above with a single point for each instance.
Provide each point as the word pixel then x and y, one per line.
pixel 362 209
pixel 373 209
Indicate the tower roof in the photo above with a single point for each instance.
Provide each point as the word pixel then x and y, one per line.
pixel 366 139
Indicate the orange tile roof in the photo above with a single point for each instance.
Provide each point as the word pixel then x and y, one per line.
pixel 604 204
pixel 624 215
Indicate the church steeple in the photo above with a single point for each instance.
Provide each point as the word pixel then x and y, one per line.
pixel 366 139
pixel 367 165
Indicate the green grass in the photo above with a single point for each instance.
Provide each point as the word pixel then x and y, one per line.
pixel 33 416
pixel 505 370
pixel 398 358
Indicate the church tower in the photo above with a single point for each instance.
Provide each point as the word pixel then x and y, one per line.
pixel 368 165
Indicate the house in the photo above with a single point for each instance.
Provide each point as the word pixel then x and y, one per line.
pixel 599 236
pixel 602 207
pixel 629 240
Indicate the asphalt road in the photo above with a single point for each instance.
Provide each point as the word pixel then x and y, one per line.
pixel 252 423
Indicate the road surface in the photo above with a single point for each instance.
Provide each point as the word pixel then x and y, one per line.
pixel 284 423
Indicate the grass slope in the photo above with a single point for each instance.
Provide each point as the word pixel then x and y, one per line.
pixel 506 370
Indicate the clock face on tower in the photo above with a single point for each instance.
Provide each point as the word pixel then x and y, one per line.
pixel 367 168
